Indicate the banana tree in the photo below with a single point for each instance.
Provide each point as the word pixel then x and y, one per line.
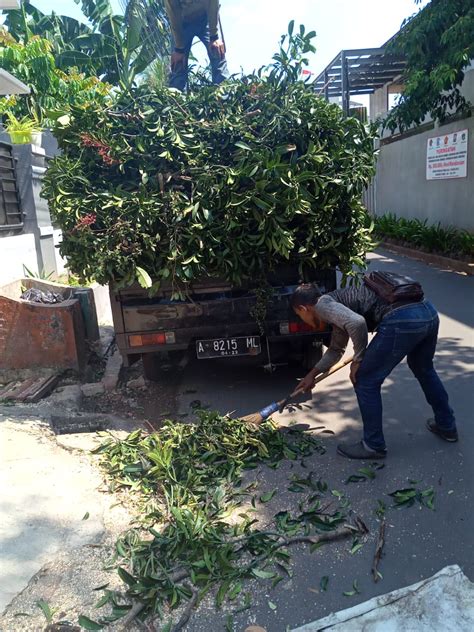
pixel 137 37
pixel 61 31
pixel 116 47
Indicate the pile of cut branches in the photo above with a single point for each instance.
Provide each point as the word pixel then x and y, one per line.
pixel 228 181
pixel 194 533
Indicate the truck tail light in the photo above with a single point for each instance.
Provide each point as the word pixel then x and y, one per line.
pixel 147 340
pixel 298 327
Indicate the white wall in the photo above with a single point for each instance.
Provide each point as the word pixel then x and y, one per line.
pixel 400 184
pixel 14 252
pixel 402 187
pixel 60 261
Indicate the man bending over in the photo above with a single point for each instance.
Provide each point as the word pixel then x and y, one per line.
pixel 409 330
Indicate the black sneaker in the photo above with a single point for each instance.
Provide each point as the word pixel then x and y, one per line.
pixel 447 435
pixel 359 451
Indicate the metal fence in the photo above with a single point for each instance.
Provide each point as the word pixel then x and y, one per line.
pixel 10 208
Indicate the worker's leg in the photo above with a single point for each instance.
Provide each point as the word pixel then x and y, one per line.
pixel 379 361
pixel 420 361
pixel 219 69
pixel 179 76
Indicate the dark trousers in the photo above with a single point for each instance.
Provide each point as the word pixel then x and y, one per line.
pixel 198 28
pixel 410 331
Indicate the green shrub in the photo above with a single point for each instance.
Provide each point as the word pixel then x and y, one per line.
pixel 434 238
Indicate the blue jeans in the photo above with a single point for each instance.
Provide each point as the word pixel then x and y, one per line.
pixel 198 28
pixel 410 331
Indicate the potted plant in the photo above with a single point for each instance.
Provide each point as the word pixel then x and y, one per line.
pixel 24 130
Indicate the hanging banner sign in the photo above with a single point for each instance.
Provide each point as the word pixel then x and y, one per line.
pixel 446 156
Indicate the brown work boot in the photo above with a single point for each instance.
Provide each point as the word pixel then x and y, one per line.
pixel 359 451
pixel 447 435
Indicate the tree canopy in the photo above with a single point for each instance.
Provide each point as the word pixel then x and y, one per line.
pixel 53 91
pixel 438 43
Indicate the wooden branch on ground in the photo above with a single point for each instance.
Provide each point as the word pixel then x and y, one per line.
pixel 131 615
pixel 187 612
pixel 378 551
pixel 179 575
pixel 338 534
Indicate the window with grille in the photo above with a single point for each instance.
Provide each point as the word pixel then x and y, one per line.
pixel 10 210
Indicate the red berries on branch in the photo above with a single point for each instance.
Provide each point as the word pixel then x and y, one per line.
pixel 85 221
pixel 103 150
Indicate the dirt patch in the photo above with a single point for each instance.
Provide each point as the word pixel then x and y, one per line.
pixel 152 403
pixel 70 583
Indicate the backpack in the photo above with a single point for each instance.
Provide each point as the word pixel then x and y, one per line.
pixel 394 288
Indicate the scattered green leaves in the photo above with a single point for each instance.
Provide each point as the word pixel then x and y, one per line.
pixel 355 590
pixel 365 473
pixel 380 509
pixel 410 495
pixel 89 624
pixel 356 546
pixel 265 498
pixel 46 610
pixel 263 574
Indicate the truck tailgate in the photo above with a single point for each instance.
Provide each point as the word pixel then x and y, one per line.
pixel 216 310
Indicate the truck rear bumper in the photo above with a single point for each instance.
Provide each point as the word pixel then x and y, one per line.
pixel 186 339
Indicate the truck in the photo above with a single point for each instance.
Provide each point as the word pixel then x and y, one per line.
pixel 215 320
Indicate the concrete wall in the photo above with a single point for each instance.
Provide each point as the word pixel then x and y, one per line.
pixel 400 185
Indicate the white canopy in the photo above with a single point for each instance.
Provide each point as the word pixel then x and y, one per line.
pixel 9 4
pixel 10 84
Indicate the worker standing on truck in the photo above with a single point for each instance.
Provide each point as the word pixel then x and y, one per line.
pixel 410 330
pixel 190 19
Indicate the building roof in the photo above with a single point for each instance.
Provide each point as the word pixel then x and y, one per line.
pixel 367 70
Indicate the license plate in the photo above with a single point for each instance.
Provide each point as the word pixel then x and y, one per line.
pixel 224 347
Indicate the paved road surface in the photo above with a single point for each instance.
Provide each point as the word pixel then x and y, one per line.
pixel 419 542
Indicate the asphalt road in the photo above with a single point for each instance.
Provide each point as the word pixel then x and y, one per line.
pixel 419 541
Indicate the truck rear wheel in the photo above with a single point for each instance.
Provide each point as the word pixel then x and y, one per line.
pixel 312 355
pixel 154 364
pixel 151 365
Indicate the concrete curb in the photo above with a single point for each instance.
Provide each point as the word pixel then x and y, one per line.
pixel 427 257
pixel 411 608
pixel 112 371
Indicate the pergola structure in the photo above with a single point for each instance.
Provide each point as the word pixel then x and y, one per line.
pixel 358 71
